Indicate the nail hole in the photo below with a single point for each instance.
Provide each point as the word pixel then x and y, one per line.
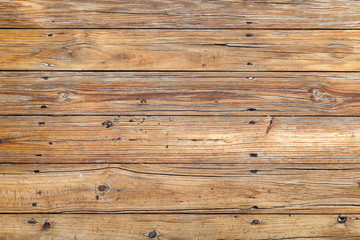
pixel 249 64
pixel 251 109
pixel 45 78
pixel 46 225
pixel 41 123
pixel 253 155
pixel 51 143
pixel 255 222
pixel 36 171
pixel 152 234
pixel 254 207
pixel 253 171
pixel 252 122
pixel 34 204
pixel 342 219
pixel 97 197
pixel 50 35
pixel 64 95
pixel 108 124
pixel 249 22
pixel 38 155
pixel 43 106
pixel 32 221
pixel 249 35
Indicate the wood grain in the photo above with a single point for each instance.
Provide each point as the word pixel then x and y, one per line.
pixel 177 139
pixel 176 188
pixel 180 50
pixel 184 93
pixel 179 227
pixel 180 14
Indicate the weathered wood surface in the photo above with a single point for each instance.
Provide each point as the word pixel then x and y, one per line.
pixel 186 188
pixel 180 14
pixel 193 119
pixel 179 139
pixel 200 50
pixel 179 227
pixel 184 93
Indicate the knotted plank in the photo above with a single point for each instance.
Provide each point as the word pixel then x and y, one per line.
pixel 184 93
pixel 180 188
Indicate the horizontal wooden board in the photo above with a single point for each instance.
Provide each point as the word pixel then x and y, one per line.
pixel 184 93
pixel 179 227
pixel 200 50
pixel 175 188
pixel 180 14
pixel 179 139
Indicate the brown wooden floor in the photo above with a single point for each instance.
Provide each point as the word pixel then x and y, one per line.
pixel 188 119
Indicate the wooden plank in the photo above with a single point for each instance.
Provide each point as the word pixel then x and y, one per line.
pixel 176 188
pixel 180 14
pixel 200 50
pixel 180 227
pixel 184 93
pixel 179 139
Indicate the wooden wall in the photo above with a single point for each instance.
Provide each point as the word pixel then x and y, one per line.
pixel 201 119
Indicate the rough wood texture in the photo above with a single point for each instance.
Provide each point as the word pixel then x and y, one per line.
pixel 180 14
pixel 179 227
pixel 177 139
pixel 172 93
pixel 188 119
pixel 201 50
pixel 207 188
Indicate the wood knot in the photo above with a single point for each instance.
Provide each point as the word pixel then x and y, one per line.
pixel 316 94
pixel 103 188
pixel 64 95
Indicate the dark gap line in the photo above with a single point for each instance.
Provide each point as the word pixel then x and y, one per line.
pixel 177 71
pixel 158 212
pixel 174 28
pixel 172 115
pixel 185 163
